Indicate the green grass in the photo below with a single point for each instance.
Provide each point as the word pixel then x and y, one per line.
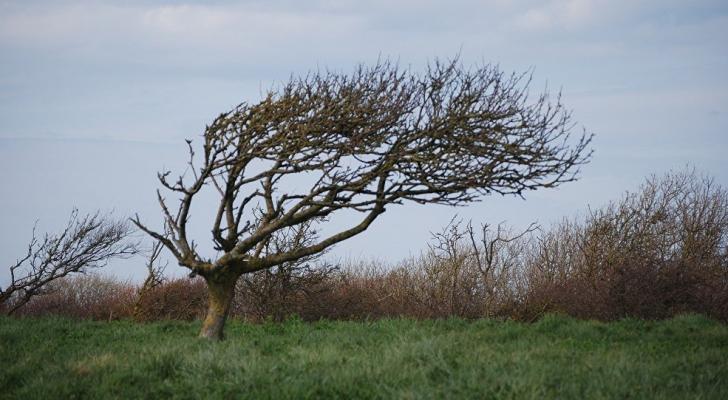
pixel 557 357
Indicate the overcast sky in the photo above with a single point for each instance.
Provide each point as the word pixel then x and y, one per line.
pixel 95 97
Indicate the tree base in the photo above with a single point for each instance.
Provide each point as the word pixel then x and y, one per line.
pixel 221 290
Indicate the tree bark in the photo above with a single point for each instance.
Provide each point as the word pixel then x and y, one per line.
pixel 221 291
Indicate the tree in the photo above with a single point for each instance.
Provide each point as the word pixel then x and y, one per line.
pixel 87 242
pixel 329 142
pixel 155 278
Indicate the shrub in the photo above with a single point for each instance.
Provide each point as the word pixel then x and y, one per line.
pixel 90 296
pixel 177 299
pixel 655 253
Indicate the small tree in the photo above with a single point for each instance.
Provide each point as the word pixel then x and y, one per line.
pixel 155 278
pixel 329 142
pixel 87 242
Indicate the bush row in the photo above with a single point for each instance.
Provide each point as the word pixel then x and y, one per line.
pixel 657 252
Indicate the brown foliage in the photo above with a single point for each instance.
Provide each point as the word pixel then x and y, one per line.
pixel 283 291
pixel 181 299
pixel 84 296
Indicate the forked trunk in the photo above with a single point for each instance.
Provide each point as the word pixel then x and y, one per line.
pixel 221 290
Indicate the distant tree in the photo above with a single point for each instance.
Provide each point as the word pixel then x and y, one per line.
pixel 87 242
pixel 155 278
pixel 328 143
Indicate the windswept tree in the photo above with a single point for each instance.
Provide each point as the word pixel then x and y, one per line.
pixel 327 143
pixel 87 242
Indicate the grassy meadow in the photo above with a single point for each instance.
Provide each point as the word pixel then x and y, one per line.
pixel 556 357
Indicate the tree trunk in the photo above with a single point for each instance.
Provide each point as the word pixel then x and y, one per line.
pixel 221 290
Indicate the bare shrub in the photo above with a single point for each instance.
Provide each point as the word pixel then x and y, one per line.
pixel 369 290
pixel 89 296
pixel 286 290
pixel 94 296
pixel 463 273
pixel 656 252
pixel 177 299
pixel 292 287
pixel 155 277
pixel 473 273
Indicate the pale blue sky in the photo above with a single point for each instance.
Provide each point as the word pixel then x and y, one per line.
pixel 95 97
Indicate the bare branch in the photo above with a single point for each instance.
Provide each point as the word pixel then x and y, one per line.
pixel 87 242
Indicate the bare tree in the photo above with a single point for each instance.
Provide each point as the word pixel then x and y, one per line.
pixel 499 256
pixel 86 243
pixel 155 277
pixel 472 270
pixel 328 143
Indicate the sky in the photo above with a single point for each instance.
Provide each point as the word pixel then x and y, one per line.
pixel 96 97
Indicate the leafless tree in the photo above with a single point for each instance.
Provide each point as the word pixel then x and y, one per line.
pixel 87 242
pixel 155 277
pixel 499 255
pixel 328 142
pixel 475 269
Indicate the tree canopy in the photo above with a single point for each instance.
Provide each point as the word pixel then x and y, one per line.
pixel 364 141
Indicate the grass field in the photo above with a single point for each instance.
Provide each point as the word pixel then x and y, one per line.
pixel 557 357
